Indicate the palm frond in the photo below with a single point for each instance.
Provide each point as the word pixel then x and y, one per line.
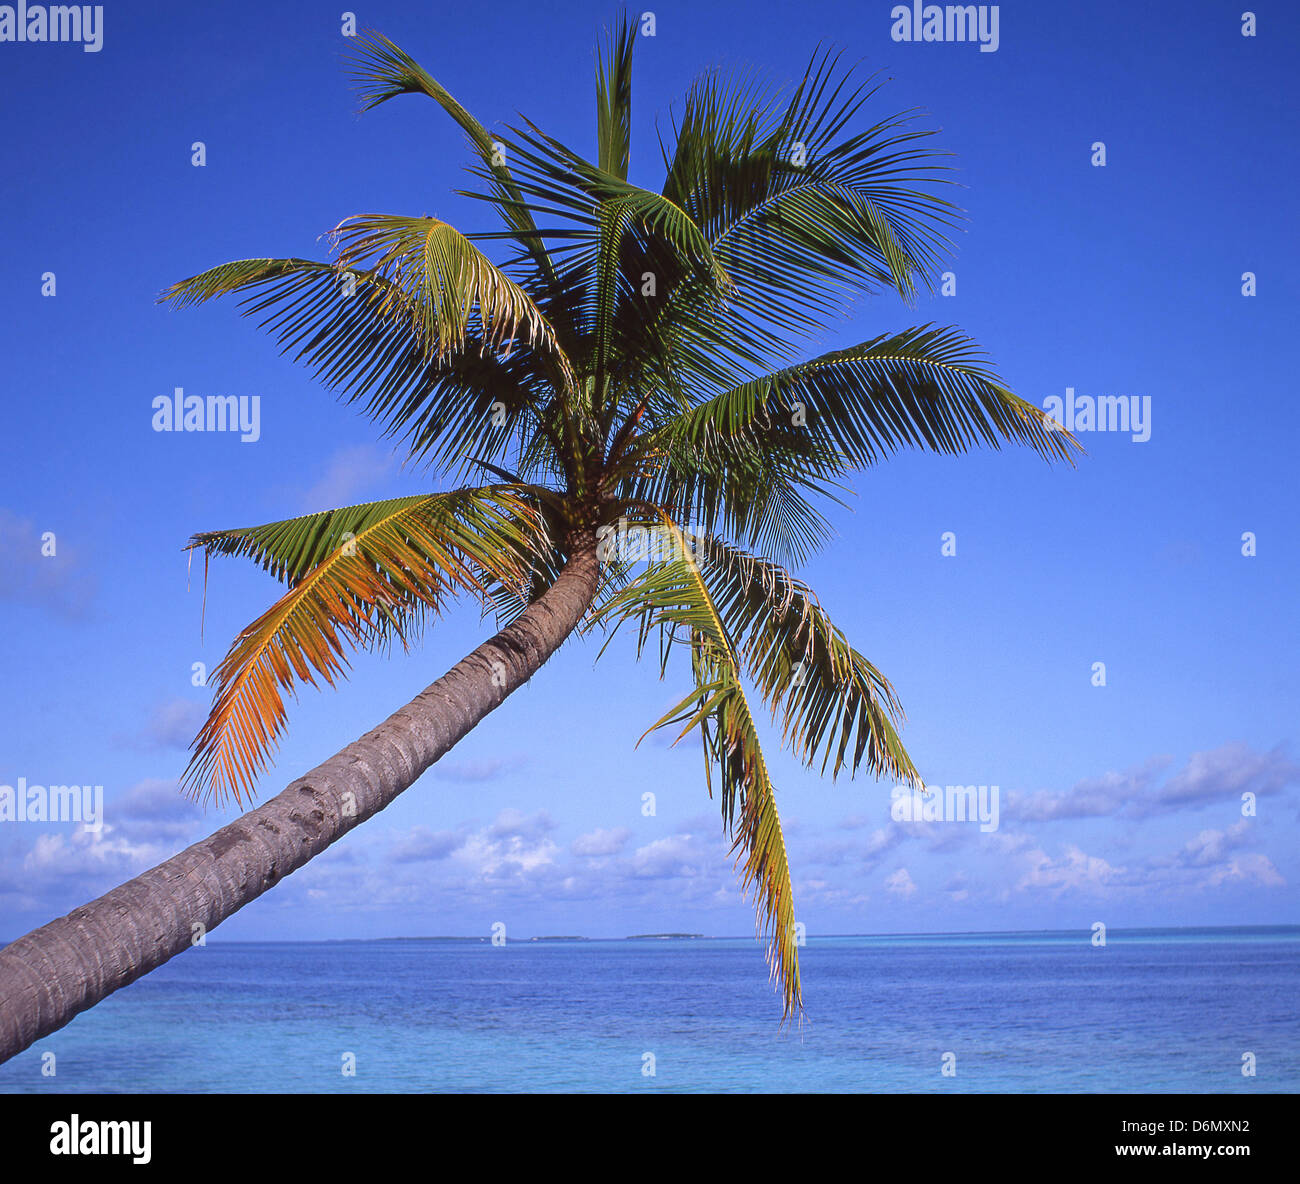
pixel 429 268
pixel 365 337
pixel 382 71
pixel 802 216
pixel 922 388
pixel 607 235
pixel 826 697
pixel 671 597
pixel 403 559
pixel 614 99
pixel 761 486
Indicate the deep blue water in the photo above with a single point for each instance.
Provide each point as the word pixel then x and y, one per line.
pixel 1157 1010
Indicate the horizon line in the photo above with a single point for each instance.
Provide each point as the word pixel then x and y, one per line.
pixel 678 936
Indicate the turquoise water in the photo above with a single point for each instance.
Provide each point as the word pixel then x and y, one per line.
pixel 1158 1010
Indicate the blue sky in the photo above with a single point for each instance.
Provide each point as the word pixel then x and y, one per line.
pixel 1119 803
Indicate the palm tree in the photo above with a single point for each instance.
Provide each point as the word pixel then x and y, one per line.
pixel 628 372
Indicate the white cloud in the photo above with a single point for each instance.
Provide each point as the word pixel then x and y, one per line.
pixel 1220 775
pixel 900 883
pixel 515 824
pixel 1093 797
pixel 601 842
pixel 172 724
pixel 475 770
pixel 1211 846
pixel 1247 869
pixel 1075 872
pixel 421 843
pixel 667 858
pixel 1226 773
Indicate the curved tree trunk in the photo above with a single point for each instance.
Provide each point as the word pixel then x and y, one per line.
pixel 62 968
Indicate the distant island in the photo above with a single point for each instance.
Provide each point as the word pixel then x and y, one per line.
pixel 663 936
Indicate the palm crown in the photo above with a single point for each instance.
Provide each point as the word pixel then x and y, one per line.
pixel 630 362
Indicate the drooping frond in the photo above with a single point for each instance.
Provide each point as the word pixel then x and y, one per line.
pixel 672 598
pixel 826 697
pixel 356 575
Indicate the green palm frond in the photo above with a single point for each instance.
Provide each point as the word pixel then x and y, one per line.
pixel 801 215
pixel 922 388
pixel 539 561
pixel 289 549
pixel 230 277
pixel 760 487
pixel 614 100
pixel 607 233
pixel 826 697
pixel 773 183
pixel 362 336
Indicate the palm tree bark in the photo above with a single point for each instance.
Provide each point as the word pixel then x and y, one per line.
pixel 62 968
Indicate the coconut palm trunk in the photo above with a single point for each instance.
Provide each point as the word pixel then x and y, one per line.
pixel 62 968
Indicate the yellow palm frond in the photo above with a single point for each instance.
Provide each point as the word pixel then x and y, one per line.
pixel 453 287
pixel 399 560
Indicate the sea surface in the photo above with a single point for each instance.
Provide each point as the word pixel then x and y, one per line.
pixel 1154 1010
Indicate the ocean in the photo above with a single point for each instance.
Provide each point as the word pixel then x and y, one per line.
pixel 1153 1011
